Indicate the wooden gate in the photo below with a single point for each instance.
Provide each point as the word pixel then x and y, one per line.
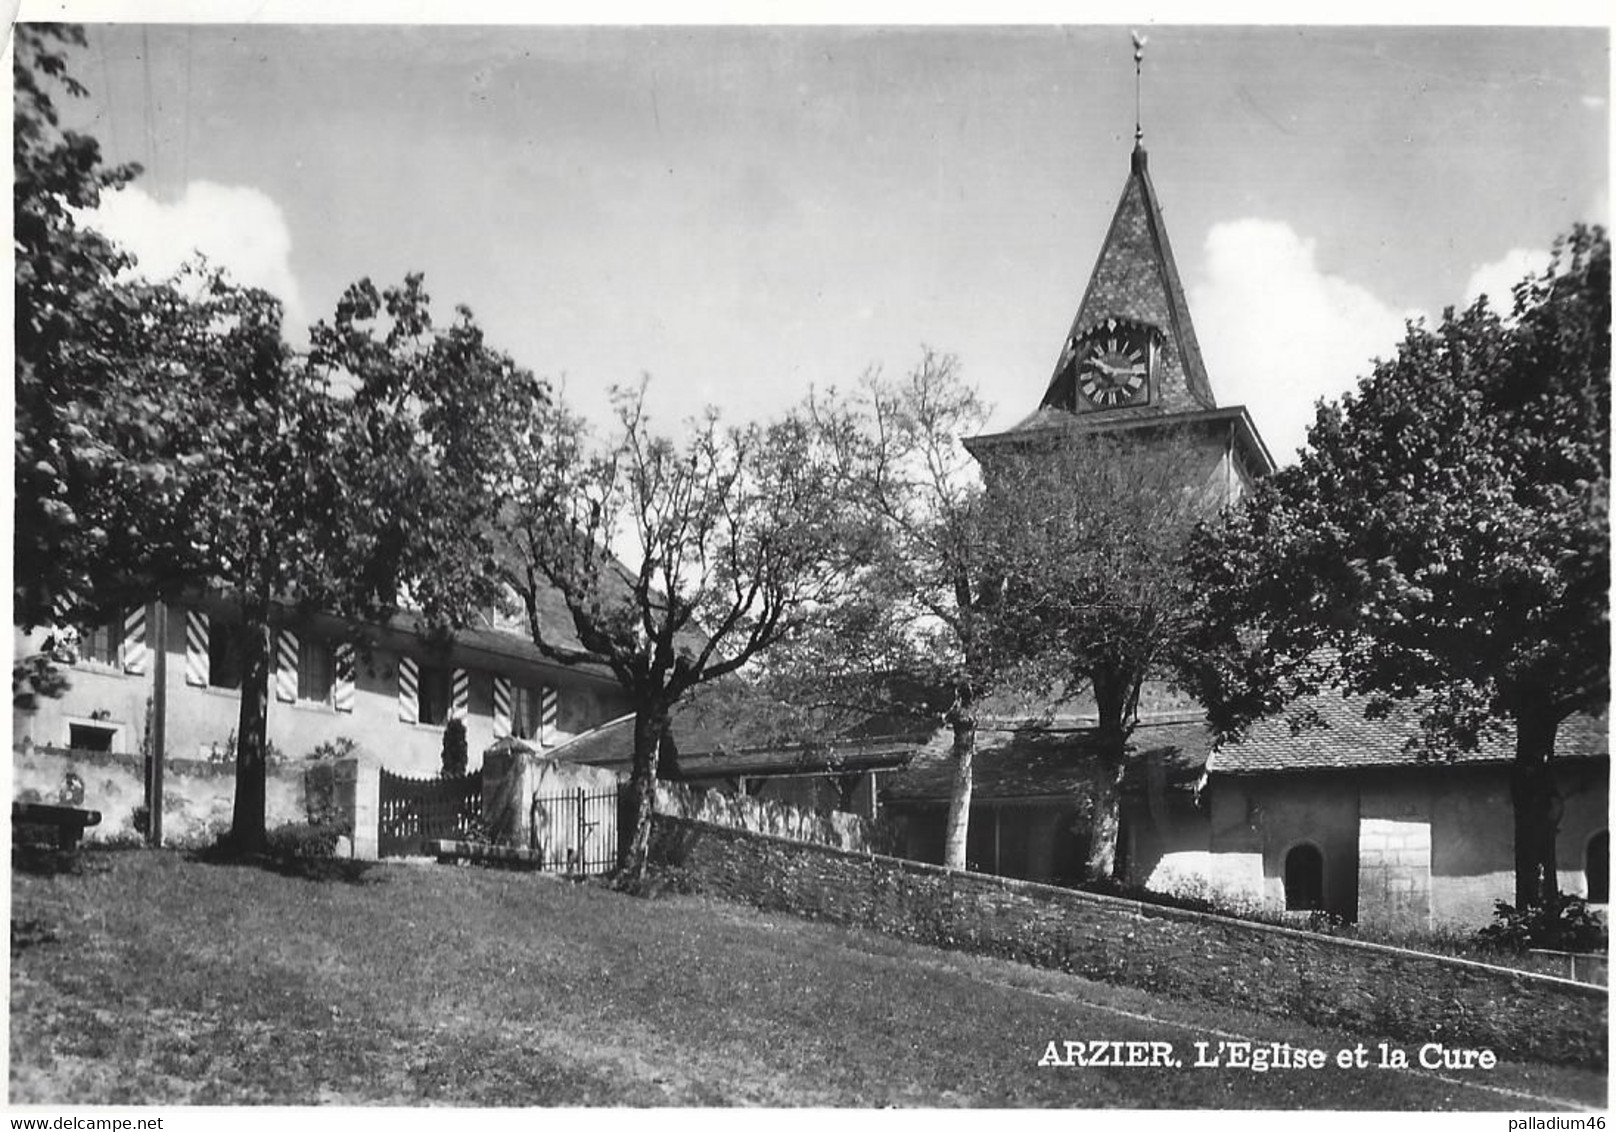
pixel 417 810
pixel 575 831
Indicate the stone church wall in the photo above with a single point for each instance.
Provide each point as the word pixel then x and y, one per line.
pixel 1405 849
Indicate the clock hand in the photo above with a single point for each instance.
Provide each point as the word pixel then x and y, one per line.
pixel 1111 370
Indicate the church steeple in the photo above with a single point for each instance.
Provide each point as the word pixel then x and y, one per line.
pixel 1131 363
pixel 1132 348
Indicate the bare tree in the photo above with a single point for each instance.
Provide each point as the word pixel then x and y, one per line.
pixel 914 637
pixel 1048 571
pixel 678 562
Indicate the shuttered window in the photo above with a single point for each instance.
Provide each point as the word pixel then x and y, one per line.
pixel 100 644
pixel 432 695
pixel 224 654
pixel 314 671
pixel 525 703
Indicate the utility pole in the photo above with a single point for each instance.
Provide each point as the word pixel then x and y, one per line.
pixel 154 768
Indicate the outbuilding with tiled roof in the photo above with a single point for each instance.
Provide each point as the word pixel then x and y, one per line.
pixel 1345 816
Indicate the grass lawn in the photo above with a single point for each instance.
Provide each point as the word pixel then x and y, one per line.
pixel 148 977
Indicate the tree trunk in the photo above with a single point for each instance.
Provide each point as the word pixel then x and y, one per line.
pixel 1106 821
pixel 1115 698
pixel 649 726
pixel 1538 808
pixel 252 733
pixel 959 799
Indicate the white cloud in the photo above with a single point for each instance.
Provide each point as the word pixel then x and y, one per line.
pixel 1278 334
pixel 1497 280
pixel 236 227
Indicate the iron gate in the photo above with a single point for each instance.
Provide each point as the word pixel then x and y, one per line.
pixel 417 810
pixel 574 831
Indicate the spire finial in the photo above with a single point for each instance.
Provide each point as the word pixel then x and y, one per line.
pixel 1139 42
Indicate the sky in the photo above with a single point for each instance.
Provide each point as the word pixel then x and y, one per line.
pixel 745 213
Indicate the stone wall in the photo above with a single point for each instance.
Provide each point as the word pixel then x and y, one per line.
pixel 757 815
pixel 1367 990
pixel 197 796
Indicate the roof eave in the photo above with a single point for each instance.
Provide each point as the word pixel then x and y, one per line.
pixel 1246 434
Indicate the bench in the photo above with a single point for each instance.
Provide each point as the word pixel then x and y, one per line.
pixel 68 821
pixel 481 852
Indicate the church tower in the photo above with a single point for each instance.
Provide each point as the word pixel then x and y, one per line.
pixel 1130 359
pixel 1131 348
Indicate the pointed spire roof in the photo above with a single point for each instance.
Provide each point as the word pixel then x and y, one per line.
pixel 1135 280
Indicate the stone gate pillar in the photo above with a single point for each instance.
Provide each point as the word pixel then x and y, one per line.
pixel 507 788
pixel 347 791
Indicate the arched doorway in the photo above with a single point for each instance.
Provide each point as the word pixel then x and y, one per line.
pixel 1597 868
pixel 1304 879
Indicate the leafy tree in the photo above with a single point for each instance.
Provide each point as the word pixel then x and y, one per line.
pixel 679 562
pixel 367 473
pixel 1088 529
pixel 455 753
pixel 1047 573
pixel 100 425
pixel 1443 541
pixel 168 440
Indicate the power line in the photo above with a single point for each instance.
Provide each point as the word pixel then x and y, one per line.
pixel 107 97
pixel 150 115
pixel 185 112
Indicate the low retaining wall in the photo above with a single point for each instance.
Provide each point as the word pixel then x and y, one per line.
pixel 197 796
pixel 1361 988
pixel 756 815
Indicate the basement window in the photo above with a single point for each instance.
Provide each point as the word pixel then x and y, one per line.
pixel 92 737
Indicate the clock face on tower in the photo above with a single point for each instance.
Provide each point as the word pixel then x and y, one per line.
pixel 1113 362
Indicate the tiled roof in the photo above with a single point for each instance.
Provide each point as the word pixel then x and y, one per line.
pixel 505 638
pixel 1345 739
pixel 605 745
pixel 1049 761
pixel 1046 421
pixel 510 639
pixel 704 749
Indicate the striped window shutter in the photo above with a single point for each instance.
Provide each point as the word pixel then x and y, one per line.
pixel 460 694
pixel 135 651
pixel 342 687
pixel 547 716
pixel 502 706
pixel 286 666
pixel 409 680
pixel 196 648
